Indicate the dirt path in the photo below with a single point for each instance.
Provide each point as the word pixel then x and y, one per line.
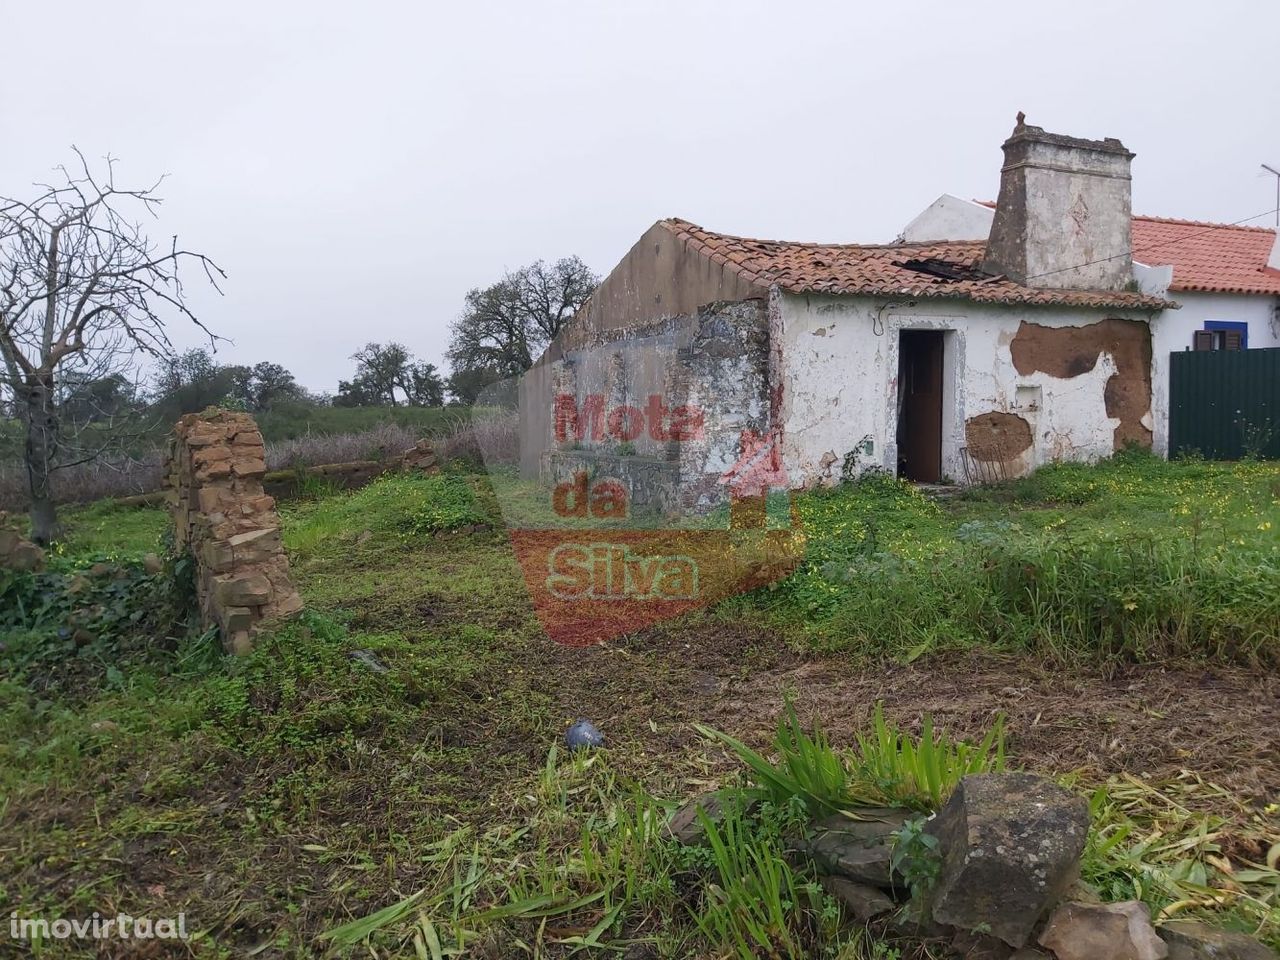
pixel 1151 720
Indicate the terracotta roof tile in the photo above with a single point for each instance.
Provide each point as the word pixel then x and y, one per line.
pixel 879 271
pixel 1211 257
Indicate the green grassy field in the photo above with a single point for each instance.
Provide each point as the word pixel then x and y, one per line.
pixel 1124 618
pixel 288 421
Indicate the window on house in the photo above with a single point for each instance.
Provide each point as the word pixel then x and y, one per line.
pixel 1222 335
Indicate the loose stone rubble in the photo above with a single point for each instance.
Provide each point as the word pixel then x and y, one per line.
pixel 421 456
pixel 16 551
pixel 855 848
pixel 1103 931
pixel 1192 940
pixel 1009 847
pixel 222 516
pixel 686 826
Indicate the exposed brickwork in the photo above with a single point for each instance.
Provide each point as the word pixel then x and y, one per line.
pixel 222 516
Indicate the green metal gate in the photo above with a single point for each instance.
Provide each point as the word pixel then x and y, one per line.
pixel 1225 404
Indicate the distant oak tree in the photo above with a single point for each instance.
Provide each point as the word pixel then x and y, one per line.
pixel 193 380
pixel 388 375
pixel 505 327
pixel 83 290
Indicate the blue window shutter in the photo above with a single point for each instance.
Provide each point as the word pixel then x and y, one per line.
pixel 1235 326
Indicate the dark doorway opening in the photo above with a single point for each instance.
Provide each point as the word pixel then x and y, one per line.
pixel 920 405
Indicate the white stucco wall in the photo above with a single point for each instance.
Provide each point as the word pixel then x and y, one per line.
pixel 950 218
pixel 1172 332
pixel 839 371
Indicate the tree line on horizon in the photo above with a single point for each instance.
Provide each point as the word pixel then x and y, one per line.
pixel 502 330
pixel 86 295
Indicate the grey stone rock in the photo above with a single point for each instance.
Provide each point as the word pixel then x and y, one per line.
pixel 26 557
pixel 1192 940
pixel 1010 844
pixel 686 827
pixel 1103 931
pixel 369 659
pixel 583 735
pixel 860 901
pixel 979 946
pixel 913 921
pixel 868 825
pixel 855 850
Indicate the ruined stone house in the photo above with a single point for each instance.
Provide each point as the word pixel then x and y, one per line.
pixel 986 341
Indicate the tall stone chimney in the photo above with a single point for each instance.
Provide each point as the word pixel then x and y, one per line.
pixel 1063 217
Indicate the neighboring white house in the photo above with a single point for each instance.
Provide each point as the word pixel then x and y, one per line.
pixel 1225 279
pixel 986 340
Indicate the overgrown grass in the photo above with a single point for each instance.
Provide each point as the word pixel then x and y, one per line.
pixel 106 530
pixel 380 769
pixel 888 765
pixel 1154 842
pixel 295 434
pixel 1133 559
pixel 399 505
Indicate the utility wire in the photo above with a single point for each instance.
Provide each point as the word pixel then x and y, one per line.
pixel 1163 243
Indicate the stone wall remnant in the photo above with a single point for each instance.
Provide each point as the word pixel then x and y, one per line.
pixel 16 551
pixel 421 457
pixel 228 523
pixel 1009 848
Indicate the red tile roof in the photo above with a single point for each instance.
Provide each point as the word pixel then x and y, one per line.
pixel 880 271
pixel 1208 257
pixel 1212 257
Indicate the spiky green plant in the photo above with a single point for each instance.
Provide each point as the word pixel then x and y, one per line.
pixel 921 772
pixel 807 767
pixel 752 906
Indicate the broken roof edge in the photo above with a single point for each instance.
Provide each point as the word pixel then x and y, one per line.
pixel 681 227
pixel 1120 300
pixel 993 290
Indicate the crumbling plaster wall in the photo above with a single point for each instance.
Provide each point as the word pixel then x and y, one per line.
pixel 839 383
pixel 1063 214
pixel 1172 333
pixel 714 361
pixel 658 280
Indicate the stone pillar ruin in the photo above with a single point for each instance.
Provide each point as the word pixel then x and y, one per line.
pixel 16 551
pixel 229 525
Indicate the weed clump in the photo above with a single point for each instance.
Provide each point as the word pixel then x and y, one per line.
pixel 1134 559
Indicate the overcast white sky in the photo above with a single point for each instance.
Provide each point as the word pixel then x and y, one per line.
pixel 357 168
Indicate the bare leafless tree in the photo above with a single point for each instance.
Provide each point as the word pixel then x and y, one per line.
pixel 83 289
